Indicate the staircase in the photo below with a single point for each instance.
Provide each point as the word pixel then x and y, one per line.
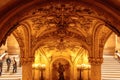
pixel 110 68
pixel 9 75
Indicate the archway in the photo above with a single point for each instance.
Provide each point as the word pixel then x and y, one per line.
pixel 110 64
pixel 55 23
pixel 12 50
pixel 61 68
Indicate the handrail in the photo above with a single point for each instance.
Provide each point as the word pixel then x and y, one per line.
pixel 3 55
pixel 118 54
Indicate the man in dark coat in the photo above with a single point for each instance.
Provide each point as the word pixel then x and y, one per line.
pixel 1 64
pixel 14 65
pixel 8 61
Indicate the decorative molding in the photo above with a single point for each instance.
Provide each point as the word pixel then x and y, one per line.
pixel 19 33
pixel 61 9
pixel 95 61
pixel 89 40
pixel 104 35
pixel 25 60
pixel 60 17
pixel 60 40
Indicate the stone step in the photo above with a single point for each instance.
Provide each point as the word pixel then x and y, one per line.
pixel 9 75
pixel 110 68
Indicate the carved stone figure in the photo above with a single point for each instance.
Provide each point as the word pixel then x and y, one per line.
pixel 61 72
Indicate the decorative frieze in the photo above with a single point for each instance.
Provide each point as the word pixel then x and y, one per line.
pixel 96 61
pixel 103 35
pixel 25 60
pixel 60 40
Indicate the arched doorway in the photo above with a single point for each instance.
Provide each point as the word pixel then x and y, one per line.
pixel 61 69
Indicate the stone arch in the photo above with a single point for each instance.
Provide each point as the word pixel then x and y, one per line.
pixel 99 38
pixel 109 18
pixel 106 11
pixel 22 40
pixel 96 30
pixel 27 30
pixel 40 44
pixel 103 35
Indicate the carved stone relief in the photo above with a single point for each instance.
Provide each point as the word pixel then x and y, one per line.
pixel 60 40
pixel 60 25
pixel 104 34
pixel 96 61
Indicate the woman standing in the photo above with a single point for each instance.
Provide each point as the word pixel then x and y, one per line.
pixel 14 65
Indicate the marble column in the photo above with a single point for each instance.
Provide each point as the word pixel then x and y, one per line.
pixel 95 68
pixel 27 68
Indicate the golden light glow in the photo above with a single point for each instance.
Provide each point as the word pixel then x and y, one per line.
pixel 78 57
pixel 35 66
pixel 40 60
pixel 39 66
pixel 83 57
pixel 83 66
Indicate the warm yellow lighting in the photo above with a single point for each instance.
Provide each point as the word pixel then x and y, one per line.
pixel 37 57
pixel 89 66
pixel 36 66
pixel 43 65
pixel 39 66
pixel 83 66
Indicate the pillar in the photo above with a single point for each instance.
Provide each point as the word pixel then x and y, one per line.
pixel 95 68
pixel 27 68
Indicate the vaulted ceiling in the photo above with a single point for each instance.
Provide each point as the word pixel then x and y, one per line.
pixel 10 10
pixel 61 28
pixel 59 24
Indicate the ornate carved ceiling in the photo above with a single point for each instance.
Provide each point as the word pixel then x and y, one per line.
pixel 48 16
pixel 61 26
pixel 77 19
pixel 61 23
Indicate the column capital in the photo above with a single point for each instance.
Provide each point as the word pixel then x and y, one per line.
pixel 95 61
pixel 25 60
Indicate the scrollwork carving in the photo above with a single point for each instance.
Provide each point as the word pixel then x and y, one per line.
pixel 89 40
pixel 60 41
pixel 62 8
pixel 62 22
pixel 96 61
pixel 25 60
pixel 104 33
pixel 60 17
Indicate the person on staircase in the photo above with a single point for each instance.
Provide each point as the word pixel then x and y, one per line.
pixel 1 65
pixel 8 61
pixel 14 65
